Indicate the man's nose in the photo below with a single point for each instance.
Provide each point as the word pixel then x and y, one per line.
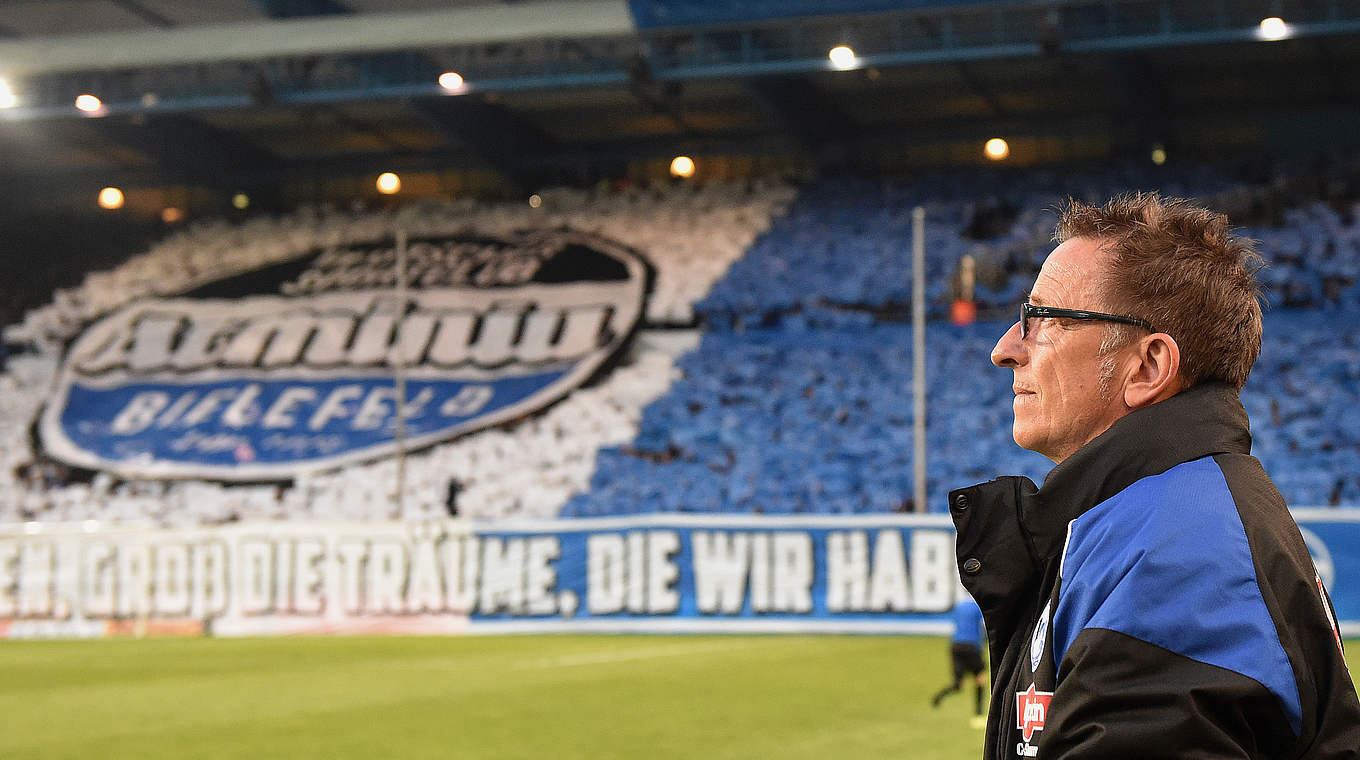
pixel 1009 351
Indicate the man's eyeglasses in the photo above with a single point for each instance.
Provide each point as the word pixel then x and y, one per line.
pixel 1028 310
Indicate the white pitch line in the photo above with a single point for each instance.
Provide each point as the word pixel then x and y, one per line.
pixel 608 656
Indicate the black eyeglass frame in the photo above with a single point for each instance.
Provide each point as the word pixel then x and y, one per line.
pixel 1028 310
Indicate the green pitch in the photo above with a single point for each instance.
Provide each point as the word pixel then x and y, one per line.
pixel 589 697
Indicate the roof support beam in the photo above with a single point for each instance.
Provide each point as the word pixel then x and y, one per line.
pixel 187 148
pixel 489 130
pixel 317 35
pixel 801 110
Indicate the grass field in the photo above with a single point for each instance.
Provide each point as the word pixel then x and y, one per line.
pixel 596 697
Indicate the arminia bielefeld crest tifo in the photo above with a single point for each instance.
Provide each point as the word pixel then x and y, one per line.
pixel 291 367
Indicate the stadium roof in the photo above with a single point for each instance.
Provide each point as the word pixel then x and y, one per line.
pixel 222 94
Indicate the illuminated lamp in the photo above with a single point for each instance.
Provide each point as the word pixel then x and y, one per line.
pixel 1273 28
pixel 997 149
pixel 452 81
pixel 110 198
pixel 89 103
pixel 388 183
pixel 682 167
pixel 842 57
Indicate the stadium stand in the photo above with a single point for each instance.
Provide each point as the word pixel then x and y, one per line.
pixel 796 398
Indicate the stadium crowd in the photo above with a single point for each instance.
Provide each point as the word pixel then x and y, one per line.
pixel 794 396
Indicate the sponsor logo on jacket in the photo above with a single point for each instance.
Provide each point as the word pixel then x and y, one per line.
pixel 1031 710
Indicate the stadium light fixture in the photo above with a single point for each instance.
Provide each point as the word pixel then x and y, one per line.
pixel 842 57
pixel 111 198
pixel 7 98
pixel 1273 28
pixel 389 183
pixel 996 149
pixel 682 167
pixel 87 103
pixel 452 81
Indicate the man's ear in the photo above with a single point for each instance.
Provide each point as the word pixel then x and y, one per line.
pixel 1155 373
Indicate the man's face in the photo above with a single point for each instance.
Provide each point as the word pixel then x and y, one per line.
pixel 1059 405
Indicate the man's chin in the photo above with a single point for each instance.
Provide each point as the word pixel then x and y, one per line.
pixel 1024 437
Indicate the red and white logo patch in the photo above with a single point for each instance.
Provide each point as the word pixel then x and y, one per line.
pixel 1031 709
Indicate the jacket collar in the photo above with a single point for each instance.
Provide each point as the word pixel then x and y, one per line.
pixel 1202 421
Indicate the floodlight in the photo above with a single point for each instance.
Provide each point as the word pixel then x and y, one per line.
pixel 842 57
pixel 110 198
pixel 452 81
pixel 996 149
pixel 1273 28
pixel 682 166
pixel 89 103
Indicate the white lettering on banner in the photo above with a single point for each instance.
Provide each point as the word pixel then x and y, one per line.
pixel 180 333
pixel 721 562
pixel 376 409
pixel 502 576
pixel 256 582
pixel 637 572
pixel 212 401
pixel 662 573
pixel 174 579
pixel 847 570
pixel 540 579
pixel 633 571
pixel 98 584
pixel 9 578
pixel 140 412
pixel 387 578
pixel 425 592
pixel 243 410
pixel 308 591
pixel 933 573
pixel 889 580
pixel 888 576
pixel 793 572
pixel 37 563
pixel 462 569
pixel 467 401
pixel 134 580
pixel 260 577
pixel 606 578
pixel 352 557
pixel 212 592
pixel 334 406
pixel 170 582
pixel 280 412
pixel 776 569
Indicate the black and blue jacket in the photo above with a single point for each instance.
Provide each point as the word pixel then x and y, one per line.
pixel 1155 599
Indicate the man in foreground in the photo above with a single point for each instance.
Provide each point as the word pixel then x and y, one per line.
pixel 1154 598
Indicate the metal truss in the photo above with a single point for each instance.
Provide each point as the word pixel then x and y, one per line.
pixel 1022 28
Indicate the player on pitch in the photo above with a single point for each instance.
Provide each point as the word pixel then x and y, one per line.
pixel 965 657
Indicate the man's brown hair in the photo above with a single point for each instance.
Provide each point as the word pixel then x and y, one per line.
pixel 1178 266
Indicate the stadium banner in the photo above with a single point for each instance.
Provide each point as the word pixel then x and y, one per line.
pixel 291 368
pixel 645 574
